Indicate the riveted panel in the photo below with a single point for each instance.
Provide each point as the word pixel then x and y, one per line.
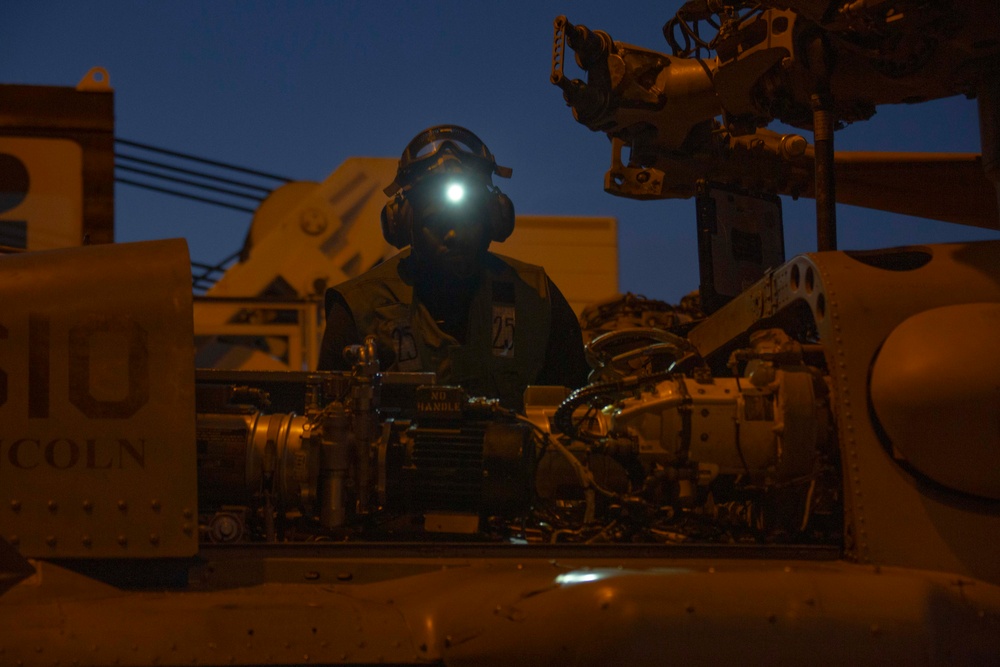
pixel 97 446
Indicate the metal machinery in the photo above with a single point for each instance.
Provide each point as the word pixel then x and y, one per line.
pixel 808 474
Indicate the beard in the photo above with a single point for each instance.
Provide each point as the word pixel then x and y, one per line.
pixel 448 268
pixel 450 249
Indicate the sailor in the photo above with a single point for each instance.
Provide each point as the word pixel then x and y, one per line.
pixel 489 323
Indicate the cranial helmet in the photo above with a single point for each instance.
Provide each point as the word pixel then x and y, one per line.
pixel 463 162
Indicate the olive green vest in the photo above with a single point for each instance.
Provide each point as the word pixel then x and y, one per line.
pixel 508 326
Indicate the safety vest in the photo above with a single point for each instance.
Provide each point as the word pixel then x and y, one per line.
pixel 509 320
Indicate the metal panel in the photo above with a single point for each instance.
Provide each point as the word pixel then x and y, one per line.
pixel 511 611
pixel 858 300
pixel 740 237
pixel 84 116
pixel 97 436
pixel 49 203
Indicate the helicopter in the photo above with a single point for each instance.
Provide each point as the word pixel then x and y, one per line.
pixel 807 473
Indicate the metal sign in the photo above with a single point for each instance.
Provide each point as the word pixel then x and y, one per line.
pixel 97 434
pixel 57 164
pixel 41 193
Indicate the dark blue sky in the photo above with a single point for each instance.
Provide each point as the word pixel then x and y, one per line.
pixel 296 87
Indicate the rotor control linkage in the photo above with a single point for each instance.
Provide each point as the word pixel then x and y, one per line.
pixel 592 49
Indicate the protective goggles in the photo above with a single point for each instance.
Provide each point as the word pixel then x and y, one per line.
pixel 436 147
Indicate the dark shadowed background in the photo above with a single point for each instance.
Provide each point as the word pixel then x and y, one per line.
pixel 294 88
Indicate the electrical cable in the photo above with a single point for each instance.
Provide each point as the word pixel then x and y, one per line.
pixel 586 477
pixel 257 193
pixel 190 172
pixel 184 181
pixel 178 193
pixel 563 417
pixel 193 158
pixel 808 508
pixel 207 269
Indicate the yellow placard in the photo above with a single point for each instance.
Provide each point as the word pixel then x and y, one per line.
pixel 41 193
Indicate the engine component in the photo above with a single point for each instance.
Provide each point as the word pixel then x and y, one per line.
pixel 228 525
pixel 253 460
pixel 240 454
pixel 336 466
pixel 723 427
pixel 457 461
pixel 634 310
pixel 631 351
pixel 663 456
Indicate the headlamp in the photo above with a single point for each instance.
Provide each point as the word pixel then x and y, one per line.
pixel 455 192
pixel 451 195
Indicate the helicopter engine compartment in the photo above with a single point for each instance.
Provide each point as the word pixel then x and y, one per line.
pixel 662 457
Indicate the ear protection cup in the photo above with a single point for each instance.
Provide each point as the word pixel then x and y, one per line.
pixel 501 215
pixel 397 221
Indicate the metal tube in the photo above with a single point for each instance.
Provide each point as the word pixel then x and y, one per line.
pixel 333 512
pixel 988 96
pixel 820 65
pixel 826 199
pixel 335 459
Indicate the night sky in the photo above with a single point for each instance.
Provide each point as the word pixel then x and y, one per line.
pixel 294 88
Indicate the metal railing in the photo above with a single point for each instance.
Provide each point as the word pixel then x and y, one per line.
pixel 286 330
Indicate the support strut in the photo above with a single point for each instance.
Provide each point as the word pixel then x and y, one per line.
pixel 826 199
pixel 820 65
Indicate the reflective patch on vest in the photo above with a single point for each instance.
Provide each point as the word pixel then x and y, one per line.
pixel 503 330
pixel 405 346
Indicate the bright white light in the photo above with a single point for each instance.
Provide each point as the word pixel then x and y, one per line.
pixel 578 577
pixel 455 192
pixel 588 575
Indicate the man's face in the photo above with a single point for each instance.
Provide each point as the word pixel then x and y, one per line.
pixel 450 225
